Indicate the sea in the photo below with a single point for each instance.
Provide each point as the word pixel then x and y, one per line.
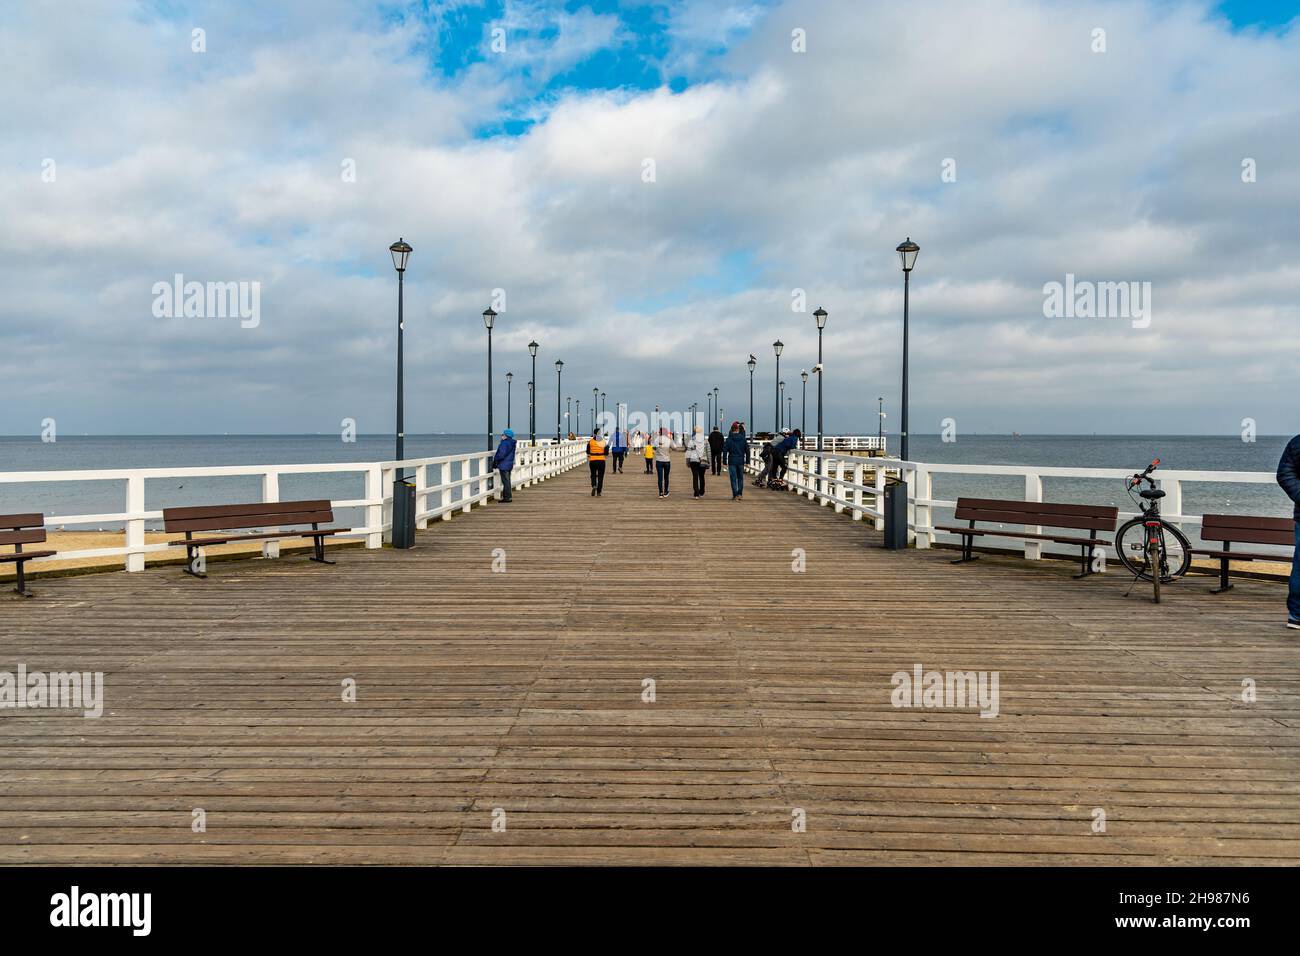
pixel 1132 452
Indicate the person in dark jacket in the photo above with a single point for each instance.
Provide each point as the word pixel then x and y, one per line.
pixel 619 450
pixel 1288 476
pixel 716 441
pixel 736 448
pixel 504 462
pixel 789 444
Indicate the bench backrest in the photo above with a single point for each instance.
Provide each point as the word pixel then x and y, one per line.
pixel 1046 513
pixel 266 514
pixel 1248 529
pixel 22 529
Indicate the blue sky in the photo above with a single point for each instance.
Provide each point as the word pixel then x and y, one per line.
pixel 783 180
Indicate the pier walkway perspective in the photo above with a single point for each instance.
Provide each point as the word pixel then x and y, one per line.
pixel 506 716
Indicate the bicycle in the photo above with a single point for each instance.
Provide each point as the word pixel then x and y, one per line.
pixel 1166 554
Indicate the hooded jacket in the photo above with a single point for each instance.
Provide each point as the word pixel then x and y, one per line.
pixel 1288 473
pixel 736 447
pixel 504 459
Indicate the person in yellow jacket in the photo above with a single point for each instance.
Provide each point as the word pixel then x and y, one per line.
pixel 649 456
pixel 597 451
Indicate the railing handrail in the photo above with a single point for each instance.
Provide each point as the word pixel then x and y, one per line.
pixel 478 482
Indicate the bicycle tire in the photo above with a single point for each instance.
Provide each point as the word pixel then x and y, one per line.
pixel 1140 568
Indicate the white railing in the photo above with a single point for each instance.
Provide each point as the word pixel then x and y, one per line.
pixel 433 500
pixel 857 486
pixel 843 443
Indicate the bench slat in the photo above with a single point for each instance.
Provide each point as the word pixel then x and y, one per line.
pixel 1091 518
pixel 32 519
pixel 234 517
pixel 1248 529
pixel 26 555
pixel 29 536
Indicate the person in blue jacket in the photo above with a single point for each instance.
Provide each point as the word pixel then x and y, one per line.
pixel 619 450
pixel 504 462
pixel 736 450
pixel 1288 476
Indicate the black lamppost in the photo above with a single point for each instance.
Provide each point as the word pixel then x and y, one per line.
pixel 403 513
pixel 803 417
pixel 708 405
pixel 780 404
pixel 602 406
pixel 510 377
pixel 751 365
pixel 595 396
pixel 575 423
pixel 907 251
pixel 401 251
pixel 717 412
pixel 532 395
pixel 559 385
pixel 820 316
pixel 880 426
pixel 489 319
pixel 777 346
pixel 789 417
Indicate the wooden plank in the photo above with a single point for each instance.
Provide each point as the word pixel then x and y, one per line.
pixel 522 692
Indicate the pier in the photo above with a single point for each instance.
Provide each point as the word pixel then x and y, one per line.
pixel 503 713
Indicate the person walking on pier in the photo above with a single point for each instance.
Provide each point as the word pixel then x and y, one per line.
pixel 736 449
pixel 504 462
pixel 697 457
pixel 648 452
pixel 619 450
pixel 637 444
pixel 1288 476
pixel 716 441
pixel 663 446
pixel 597 449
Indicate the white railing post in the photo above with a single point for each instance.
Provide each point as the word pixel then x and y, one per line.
pixel 878 486
pixel 1173 503
pixel 270 492
pixel 1034 492
pixel 444 480
pixel 468 469
pixel 839 486
pixel 922 493
pixel 375 507
pixel 421 495
pixel 135 523
pixel 859 474
pixel 386 478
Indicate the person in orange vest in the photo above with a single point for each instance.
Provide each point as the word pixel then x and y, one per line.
pixel 597 449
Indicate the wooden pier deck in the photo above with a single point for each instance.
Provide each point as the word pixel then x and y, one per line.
pixel 522 692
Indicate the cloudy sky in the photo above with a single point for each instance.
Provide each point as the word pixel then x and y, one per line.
pixel 651 185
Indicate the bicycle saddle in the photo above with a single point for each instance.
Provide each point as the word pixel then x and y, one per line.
pixel 1151 494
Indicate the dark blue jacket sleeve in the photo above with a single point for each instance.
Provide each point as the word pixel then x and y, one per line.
pixel 1288 471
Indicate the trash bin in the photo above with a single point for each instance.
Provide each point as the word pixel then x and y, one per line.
pixel 896 516
pixel 403 513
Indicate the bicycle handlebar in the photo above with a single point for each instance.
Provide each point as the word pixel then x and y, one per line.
pixel 1137 479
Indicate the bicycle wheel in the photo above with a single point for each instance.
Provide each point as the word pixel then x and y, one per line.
pixel 1131 549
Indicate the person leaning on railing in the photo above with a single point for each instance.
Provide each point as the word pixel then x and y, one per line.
pixel 504 462
pixel 1288 476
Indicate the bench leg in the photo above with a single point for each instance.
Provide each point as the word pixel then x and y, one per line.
pixel 319 556
pixel 22 583
pixel 1085 566
pixel 189 563
pixel 967 550
pixel 1224 583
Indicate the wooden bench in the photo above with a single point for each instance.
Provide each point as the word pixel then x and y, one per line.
pixel 19 530
pixel 1244 529
pixel 259 515
pixel 1090 518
